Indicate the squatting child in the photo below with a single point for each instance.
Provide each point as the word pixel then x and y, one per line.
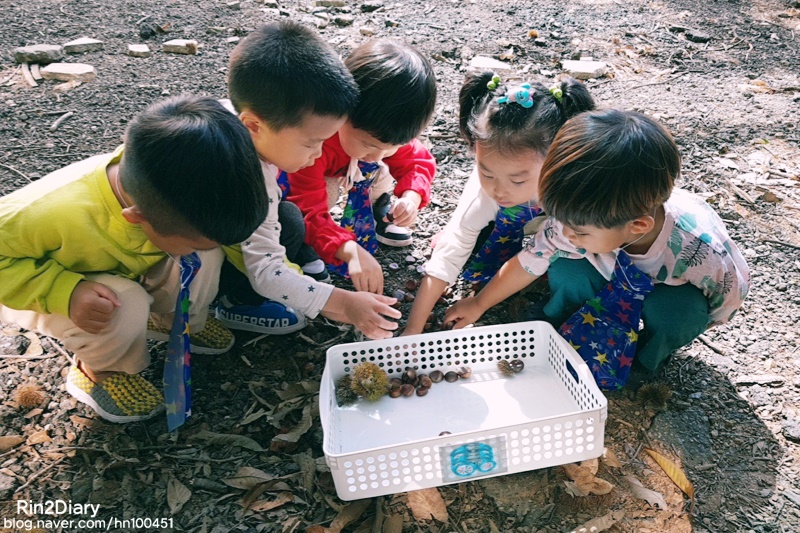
pixel 509 127
pixel 87 252
pixel 375 148
pixel 608 185
pixel 292 92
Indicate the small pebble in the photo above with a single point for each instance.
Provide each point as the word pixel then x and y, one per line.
pixel 394 266
pixel 411 259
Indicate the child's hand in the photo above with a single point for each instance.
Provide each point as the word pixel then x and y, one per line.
pixel 366 272
pixel 92 305
pixel 464 312
pixel 368 313
pixel 405 209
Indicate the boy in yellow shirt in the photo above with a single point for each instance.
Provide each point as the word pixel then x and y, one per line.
pixel 88 254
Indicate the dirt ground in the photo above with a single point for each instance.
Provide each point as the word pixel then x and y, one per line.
pixel 732 423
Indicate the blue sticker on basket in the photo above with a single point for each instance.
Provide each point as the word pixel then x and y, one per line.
pixel 461 462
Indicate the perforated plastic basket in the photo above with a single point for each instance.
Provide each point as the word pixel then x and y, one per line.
pixel 551 413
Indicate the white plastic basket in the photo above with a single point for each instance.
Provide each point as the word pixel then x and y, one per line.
pixel 551 413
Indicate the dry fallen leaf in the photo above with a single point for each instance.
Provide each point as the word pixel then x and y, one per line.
pixel 266 505
pixel 226 439
pixel 426 504
pixel 177 495
pixel 10 441
pixel 610 459
pixel 602 523
pixel 650 496
pixel 349 513
pixel 393 524
pixel 673 471
pixel 248 477
pixel 585 482
pixel 39 437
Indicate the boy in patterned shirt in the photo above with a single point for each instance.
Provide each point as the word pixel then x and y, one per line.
pixel 608 185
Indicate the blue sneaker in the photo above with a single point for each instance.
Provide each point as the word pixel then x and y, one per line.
pixel 269 317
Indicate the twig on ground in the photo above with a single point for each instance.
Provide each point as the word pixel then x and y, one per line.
pixel 781 243
pixel 15 170
pixel 141 20
pixel 39 474
pixel 7 78
pixel 61 119
pixel 705 340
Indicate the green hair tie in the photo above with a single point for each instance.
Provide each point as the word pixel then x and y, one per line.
pixel 557 93
pixel 494 83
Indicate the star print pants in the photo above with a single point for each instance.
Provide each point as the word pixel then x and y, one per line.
pixel 673 316
pixel 122 346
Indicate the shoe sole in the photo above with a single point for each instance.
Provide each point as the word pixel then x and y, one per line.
pixel 81 395
pixel 393 243
pixel 258 329
pixel 199 350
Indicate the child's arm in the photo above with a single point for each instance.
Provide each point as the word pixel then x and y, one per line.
pixel 430 290
pixel 511 279
pixel 413 167
pixel 308 190
pixel 365 271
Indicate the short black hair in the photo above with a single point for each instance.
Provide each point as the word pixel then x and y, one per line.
pixel 397 88
pixel 510 127
pixel 191 167
pixel 285 71
pixel 606 168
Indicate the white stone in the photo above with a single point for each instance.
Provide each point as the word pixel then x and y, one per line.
pixel 139 50
pixel 84 44
pixel 232 40
pixel 481 63
pixel 38 53
pixel 584 70
pixel 367 32
pixel 180 46
pixel 235 5
pixel 68 72
pixel 329 3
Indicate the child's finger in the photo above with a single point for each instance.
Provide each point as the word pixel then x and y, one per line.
pixel 107 293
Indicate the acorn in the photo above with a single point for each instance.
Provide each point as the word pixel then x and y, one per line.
pixel 409 374
pixel 441 301
pixel 422 391
pixel 465 372
pixel 395 392
pixel 409 297
pixel 407 389
pixel 29 395
pixel 425 381
pixel 451 377
pixel 411 284
pixel 370 381
pixel 517 365
pixel 427 327
pixel 436 376
pixel 345 395
pixel 395 383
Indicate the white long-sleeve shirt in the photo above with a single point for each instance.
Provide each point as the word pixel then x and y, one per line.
pixel 474 212
pixel 264 260
pixel 693 247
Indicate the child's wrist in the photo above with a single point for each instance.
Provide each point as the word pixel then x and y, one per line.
pixel 414 196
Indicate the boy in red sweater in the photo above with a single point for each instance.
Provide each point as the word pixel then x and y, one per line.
pixel 375 148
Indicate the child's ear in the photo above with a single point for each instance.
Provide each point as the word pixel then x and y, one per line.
pixel 133 215
pixel 642 225
pixel 251 122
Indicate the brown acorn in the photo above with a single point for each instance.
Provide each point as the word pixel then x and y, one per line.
pixel 411 285
pixel 395 393
pixel 407 389
pixel 409 297
pixel 451 377
pixel 425 381
pixel 436 376
pixel 465 372
pixel 517 365
pixel 422 391
pixel 409 375
pixel 427 327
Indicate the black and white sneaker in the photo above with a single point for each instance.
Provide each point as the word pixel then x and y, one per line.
pixel 316 269
pixel 386 232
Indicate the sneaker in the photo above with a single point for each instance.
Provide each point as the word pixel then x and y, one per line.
pixel 386 232
pixel 317 270
pixel 213 339
pixel 269 317
pixel 119 398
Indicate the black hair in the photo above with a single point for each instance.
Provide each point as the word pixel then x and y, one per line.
pixel 606 168
pixel 510 127
pixel 191 167
pixel 285 71
pixel 397 90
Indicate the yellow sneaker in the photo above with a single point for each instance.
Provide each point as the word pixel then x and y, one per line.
pixel 119 398
pixel 213 339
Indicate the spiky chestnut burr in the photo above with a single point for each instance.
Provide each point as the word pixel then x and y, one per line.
pixel 369 381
